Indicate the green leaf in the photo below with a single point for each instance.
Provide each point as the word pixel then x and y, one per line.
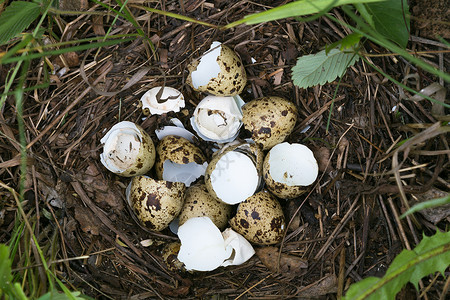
pixel 293 9
pixel 320 68
pixel 5 268
pixel 431 255
pixel 391 18
pixel 348 42
pixel 16 17
pixel 427 204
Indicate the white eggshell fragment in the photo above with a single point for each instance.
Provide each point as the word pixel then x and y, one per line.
pixel 289 169
pixel 202 245
pixel 232 176
pixel 179 160
pixel 219 72
pixel 170 100
pixel 127 150
pixel 177 130
pixel 218 119
pixel 242 249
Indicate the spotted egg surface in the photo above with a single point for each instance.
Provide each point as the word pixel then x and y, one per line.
pixel 260 219
pixel 269 119
pixel 156 202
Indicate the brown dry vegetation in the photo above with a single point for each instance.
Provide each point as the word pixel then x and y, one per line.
pixel 346 229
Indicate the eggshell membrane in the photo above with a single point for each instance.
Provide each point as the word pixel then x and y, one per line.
pixel 156 203
pixel 269 119
pixel 178 150
pixel 128 150
pixel 230 80
pixel 217 118
pixel 260 219
pixel 289 170
pixel 199 203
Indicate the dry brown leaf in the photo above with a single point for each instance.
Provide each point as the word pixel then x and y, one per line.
pixel 102 191
pixel 290 265
pixel 86 218
pixel 325 285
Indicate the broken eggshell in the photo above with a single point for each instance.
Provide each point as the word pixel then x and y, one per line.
pixel 155 202
pixel 127 150
pixel 242 249
pixel 233 175
pixel 289 169
pixel 260 219
pixel 218 119
pixel 169 255
pixel 219 72
pixel 179 160
pixel 204 248
pixel 176 129
pixel 200 203
pixel 269 119
pixel 169 100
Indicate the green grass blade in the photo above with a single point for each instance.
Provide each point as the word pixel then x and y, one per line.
pixel 173 15
pixel 64 50
pixel 294 9
pixel 427 204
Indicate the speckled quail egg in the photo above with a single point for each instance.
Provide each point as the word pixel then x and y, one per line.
pixel 289 169
pixel 219 72
pixel 233 175
pixel 155 202
pixel 179 160
pixel 127 150
pixel 269 119
pixel 170 256
pixel 260 219
pixel 218 119
pixel 156 102
pixel 199 202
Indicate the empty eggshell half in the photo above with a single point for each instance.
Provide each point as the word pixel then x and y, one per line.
pixel 218 72
pixel 169 100
pixel 204 248
pixel 269 119
pixel 202 245
pixel 155 202
pixel 127 150
pixel 289 169
pixel 260 219
pixel 233 175
pixel 200 203
pixel 218 119
pixel 179 160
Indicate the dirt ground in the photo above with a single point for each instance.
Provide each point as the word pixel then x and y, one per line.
pixel 346 229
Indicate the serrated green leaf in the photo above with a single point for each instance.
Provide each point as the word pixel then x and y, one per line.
pixel 430 255
pixel 16 17
pixel 321 68
pixel 5 268
pixel 391 18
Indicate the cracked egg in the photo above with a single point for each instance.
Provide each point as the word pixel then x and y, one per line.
pixel 219 71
